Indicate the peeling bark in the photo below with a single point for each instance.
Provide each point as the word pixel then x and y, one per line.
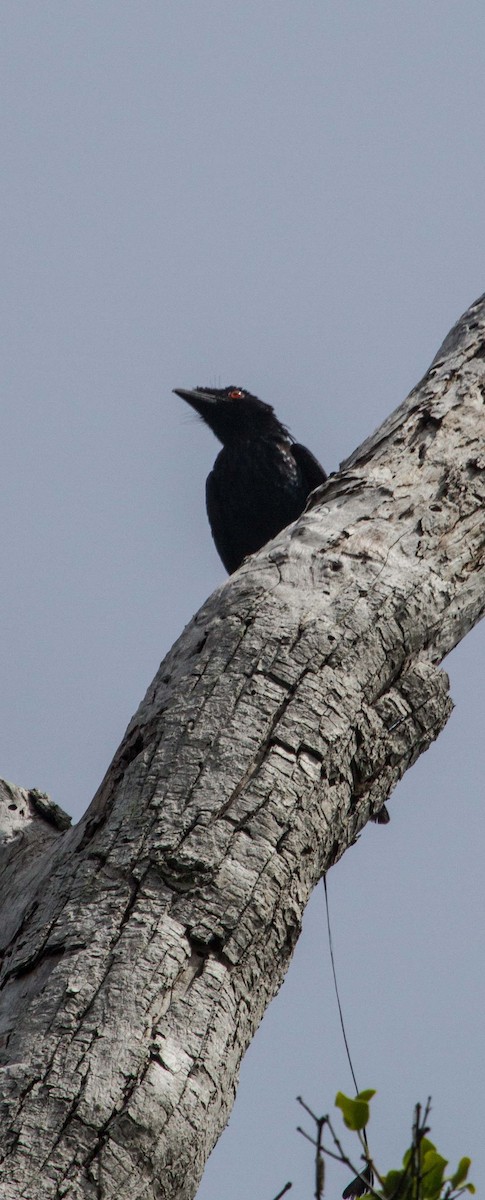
pixel 144 945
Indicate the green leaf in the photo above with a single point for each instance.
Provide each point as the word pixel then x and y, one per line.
pixel 426 1147
pixel 433 1169
pixel 391 1182
pixel 355 1112
pixel 461 1172
pixel 470 1187
pixel 367 1095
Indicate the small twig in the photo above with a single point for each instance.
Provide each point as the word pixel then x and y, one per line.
pixel 283 1190
pixel 329 1153
pixel 307 1136
pixel 314 1118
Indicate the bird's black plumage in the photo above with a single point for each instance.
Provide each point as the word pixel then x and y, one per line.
pixel 261 479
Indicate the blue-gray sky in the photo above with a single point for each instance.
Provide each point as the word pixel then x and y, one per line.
pixel 287 196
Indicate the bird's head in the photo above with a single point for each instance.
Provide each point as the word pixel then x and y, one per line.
pixel 232 413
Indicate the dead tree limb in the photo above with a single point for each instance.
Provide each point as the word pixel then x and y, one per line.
pixel 142 947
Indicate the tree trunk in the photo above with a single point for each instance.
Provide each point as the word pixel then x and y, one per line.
pixel 142 946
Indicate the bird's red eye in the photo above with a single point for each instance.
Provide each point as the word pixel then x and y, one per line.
pixel 236 394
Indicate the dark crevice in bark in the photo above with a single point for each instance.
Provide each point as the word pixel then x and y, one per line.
pixel 55 952
pixel 212 948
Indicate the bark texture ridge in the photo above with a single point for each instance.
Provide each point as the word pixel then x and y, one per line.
pixel 145 943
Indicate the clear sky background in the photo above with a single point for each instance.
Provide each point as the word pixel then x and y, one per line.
pixel 288 196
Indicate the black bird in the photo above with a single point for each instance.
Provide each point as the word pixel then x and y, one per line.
pixel 261 479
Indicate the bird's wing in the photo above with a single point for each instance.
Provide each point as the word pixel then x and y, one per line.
pixel 217 523
pixel 313 473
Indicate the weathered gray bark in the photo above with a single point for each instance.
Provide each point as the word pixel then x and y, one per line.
pixel 145 943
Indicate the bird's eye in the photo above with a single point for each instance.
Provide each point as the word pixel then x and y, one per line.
pixel 236 394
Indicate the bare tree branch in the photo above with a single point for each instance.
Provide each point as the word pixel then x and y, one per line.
pixel 147 942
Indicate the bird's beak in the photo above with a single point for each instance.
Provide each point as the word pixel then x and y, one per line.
pixel 197 400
